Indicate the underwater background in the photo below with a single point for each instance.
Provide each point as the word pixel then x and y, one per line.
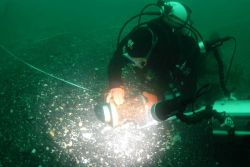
pixel 45 122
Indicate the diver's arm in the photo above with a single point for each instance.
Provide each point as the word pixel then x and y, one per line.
pixel 115 70
pixel 123 53
pixel 165 109
pixel 176 107
pixel 199 116
pixel 116 92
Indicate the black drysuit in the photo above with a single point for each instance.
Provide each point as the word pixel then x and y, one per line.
pixel 173 57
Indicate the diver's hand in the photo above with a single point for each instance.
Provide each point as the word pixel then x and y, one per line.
pixel 151 99
pixel 117 95
pixel 228 122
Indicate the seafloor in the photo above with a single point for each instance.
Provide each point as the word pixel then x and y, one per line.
pixel 48 123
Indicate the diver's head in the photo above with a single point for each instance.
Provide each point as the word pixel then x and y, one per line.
pixel 140 46
pixel 174 13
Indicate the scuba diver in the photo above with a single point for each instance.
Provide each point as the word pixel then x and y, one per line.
pixel 165 52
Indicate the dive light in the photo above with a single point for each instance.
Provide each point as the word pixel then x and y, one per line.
pixel 133 110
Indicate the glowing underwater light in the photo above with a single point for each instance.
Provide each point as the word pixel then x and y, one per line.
pixel 84 140
pixel 96 144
